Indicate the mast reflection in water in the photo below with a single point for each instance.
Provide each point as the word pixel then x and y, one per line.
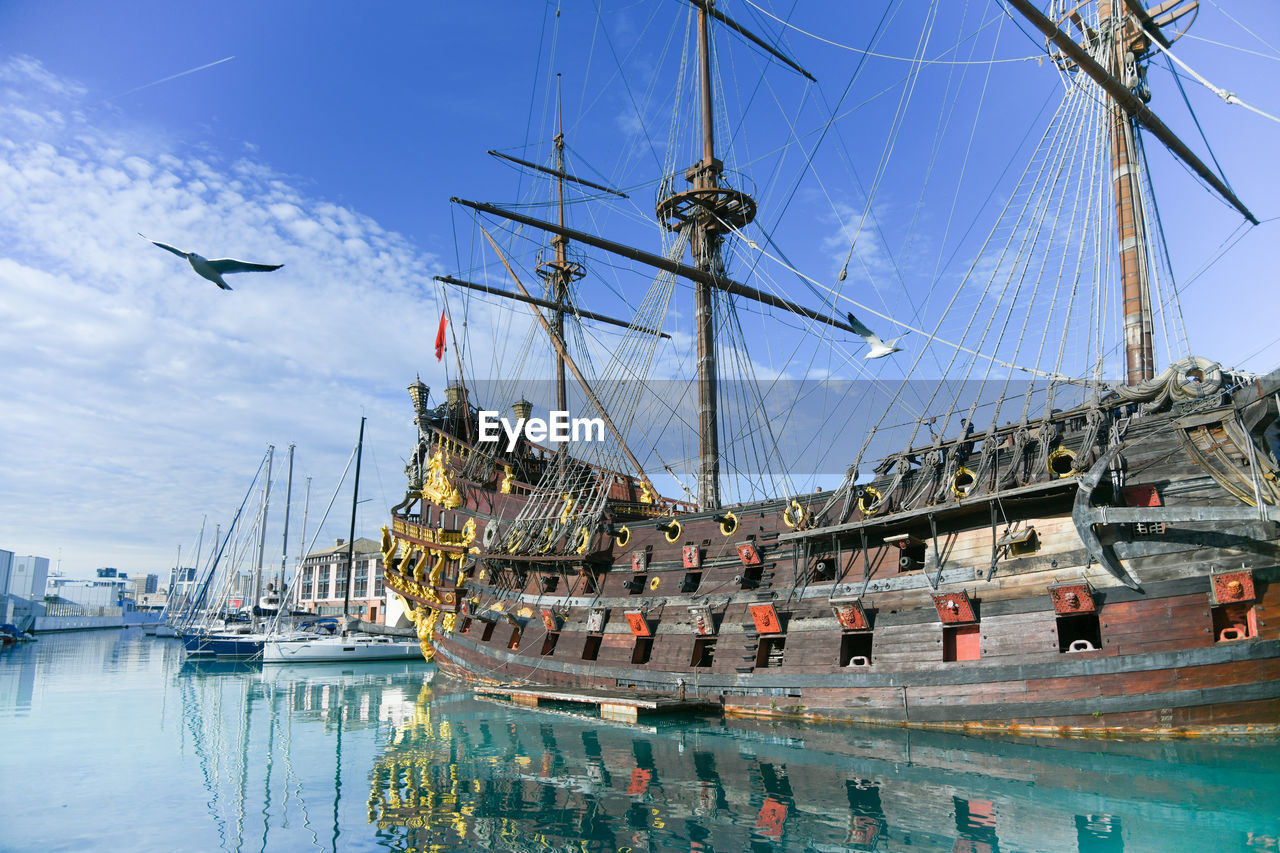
pixel 339 757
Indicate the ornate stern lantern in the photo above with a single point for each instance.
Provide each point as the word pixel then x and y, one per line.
pixel 419 392
pixel 455 394
pixel 523 409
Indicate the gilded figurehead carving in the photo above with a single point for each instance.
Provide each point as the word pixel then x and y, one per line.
pixel 437 488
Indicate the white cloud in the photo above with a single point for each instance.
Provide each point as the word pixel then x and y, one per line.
pixel 138 396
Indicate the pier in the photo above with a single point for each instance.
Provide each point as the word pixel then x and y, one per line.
pixel 624 706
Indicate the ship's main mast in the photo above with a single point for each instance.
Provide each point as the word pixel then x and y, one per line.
pixel 707 210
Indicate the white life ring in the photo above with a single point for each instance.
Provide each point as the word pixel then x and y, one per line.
pixel 490 534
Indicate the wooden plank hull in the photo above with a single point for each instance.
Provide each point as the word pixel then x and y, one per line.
pixel 962 622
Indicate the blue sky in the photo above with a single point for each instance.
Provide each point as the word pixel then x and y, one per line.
pixel 139 398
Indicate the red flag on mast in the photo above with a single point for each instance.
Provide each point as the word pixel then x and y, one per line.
pixel 440 338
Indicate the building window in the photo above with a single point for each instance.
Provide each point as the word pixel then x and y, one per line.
pixel 322 585
pixel 377 579
pixel 306 583
pixel 362 580
pixel 340 582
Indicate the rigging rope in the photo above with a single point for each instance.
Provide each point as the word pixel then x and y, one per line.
pixel 912 60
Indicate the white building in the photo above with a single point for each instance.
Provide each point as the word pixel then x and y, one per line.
pixel 91 593
pixel 323 581
pixel 22 582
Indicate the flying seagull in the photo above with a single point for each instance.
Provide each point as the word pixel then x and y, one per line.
pixel 879 348
pixel 214 269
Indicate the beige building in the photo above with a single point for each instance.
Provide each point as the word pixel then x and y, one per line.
pixel 323 583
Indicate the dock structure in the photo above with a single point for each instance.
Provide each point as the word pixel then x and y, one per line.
pixel 621 705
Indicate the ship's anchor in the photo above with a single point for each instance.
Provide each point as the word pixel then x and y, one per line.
pixel 1086 516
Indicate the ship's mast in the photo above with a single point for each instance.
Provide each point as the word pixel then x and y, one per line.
pixel 284 546
pixel 707 211
pixel 706 256
pixel 558 273
pixel 708 208
pixel 1129 27
pixel 351 540
pixel 1127 45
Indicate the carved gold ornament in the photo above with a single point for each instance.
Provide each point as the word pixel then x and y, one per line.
pixel 438 489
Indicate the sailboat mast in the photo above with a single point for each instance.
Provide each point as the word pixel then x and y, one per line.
pixel 288 503
pixel 262 532
pixel 306 507
pixel 1127 45
pixel 706 257
pixel 351 543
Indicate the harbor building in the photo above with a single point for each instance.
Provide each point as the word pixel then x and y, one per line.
pixel 22 581
pixel 182 583
pixel 74 603
pixel 323 584
pixel 143 585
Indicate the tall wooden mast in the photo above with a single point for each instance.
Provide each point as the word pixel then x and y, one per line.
pixel 1128 44
pixel 560 271
pixel 706 256
pixel 1127 27
pixel 707 210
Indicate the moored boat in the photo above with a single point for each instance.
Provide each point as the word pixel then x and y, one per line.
pixel 350 648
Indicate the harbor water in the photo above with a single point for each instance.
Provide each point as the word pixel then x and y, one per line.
pixel 112 741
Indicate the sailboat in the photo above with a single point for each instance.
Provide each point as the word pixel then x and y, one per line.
pixel 1053 552
pixel 346 645
pixel 243 632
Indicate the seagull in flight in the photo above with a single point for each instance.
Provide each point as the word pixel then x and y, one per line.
pixel 879 348
pixel 213 270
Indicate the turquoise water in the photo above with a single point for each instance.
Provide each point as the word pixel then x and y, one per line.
pixel 110 741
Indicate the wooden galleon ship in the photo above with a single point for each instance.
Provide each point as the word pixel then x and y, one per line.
pixel 1084 555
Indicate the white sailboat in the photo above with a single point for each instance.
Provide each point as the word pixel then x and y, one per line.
pixel 357 647
pixel 344 645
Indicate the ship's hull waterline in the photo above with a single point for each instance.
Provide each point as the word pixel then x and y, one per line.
pixel 939 616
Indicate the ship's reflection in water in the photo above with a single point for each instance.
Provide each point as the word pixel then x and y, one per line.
pixel 465 773
pixel 386 756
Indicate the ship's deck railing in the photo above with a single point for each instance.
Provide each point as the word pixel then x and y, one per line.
pixel 618 482
pixel 430 535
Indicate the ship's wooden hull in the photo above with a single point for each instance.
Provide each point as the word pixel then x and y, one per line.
pixel 979 633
